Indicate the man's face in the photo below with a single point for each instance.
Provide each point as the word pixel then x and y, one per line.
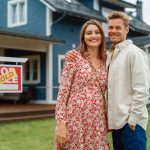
pixel 117 31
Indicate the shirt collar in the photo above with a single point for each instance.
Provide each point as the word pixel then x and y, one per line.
pixel 122 45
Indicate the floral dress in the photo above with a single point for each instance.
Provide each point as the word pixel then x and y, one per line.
pixel 80 105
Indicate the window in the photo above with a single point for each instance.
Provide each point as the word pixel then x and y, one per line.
pixel 17 13
pixel 61 62
pixel 32 70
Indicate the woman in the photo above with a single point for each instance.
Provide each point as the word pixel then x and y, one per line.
pixel 80 108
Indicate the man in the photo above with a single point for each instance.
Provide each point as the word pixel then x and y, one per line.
pixel 128 86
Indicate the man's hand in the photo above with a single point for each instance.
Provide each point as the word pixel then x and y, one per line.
pixel 71 55
pixel 61 134
pixel 132 127
pixel 109 130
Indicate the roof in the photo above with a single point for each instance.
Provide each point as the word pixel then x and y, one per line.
pixel 120 3
pixel 25 35
pixel 139 41
pixel 135 24
pixel 139 25
pixel 75 8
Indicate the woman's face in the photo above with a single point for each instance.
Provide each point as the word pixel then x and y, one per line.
pixel 92 36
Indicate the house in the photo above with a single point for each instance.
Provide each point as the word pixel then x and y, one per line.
pixel 44 30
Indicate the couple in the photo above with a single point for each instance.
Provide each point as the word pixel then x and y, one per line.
pixel 81 120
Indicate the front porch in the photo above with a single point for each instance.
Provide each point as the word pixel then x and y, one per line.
pixel 12 112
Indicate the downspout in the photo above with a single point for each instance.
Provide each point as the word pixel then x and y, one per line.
pixel 50 63
pixel 60 18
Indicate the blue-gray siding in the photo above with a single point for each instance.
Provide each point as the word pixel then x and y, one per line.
pixel 67 30
pixel 36 17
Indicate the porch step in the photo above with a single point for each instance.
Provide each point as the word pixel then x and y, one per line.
pixel 26 117
pixel 22 112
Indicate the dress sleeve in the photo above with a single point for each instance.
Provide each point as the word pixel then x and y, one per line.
pixel 64 91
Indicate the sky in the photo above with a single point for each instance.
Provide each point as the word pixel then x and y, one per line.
pixel 146 8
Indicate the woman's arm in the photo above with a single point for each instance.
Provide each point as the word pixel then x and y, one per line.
pixel 62 100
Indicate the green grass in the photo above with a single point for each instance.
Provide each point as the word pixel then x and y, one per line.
pixel 26 135
pixel 35 135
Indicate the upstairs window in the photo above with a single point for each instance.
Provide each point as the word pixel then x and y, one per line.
pixel 17 13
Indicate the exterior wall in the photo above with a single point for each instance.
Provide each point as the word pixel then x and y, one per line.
pixel 36 18
pixel 3 16
pixel 88 3
pixel 41 87
pixel 68 30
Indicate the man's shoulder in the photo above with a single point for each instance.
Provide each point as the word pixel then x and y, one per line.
pixel 134 49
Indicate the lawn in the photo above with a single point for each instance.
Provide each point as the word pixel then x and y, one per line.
pixel 34 135
pixel 26 135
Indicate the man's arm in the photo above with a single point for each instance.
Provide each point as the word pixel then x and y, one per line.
pixel 140 86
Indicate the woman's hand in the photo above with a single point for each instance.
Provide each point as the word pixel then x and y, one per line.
pixel 61 134
pixel 71 56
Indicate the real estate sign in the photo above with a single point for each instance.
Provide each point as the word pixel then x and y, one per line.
pixel 10 78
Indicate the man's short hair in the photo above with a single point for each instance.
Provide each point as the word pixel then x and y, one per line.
pixel 119 15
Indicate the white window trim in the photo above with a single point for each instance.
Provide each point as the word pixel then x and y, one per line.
pixel 49 21
pixel 69 1
pixel 60 57
pixel 33 57
pixel 9 21
pixel 96 5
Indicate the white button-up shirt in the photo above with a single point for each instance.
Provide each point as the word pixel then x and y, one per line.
pixel 128 86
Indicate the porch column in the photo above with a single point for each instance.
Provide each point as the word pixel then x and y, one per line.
pixel 49 74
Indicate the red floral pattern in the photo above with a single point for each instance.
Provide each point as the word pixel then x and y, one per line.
pixel 80 105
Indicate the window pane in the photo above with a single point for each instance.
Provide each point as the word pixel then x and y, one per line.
pixel 21 12
pixel 35 75
pixel 35 69
pixel 14 13
pixel 62 63
pixel 27 71
pixel 32 69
